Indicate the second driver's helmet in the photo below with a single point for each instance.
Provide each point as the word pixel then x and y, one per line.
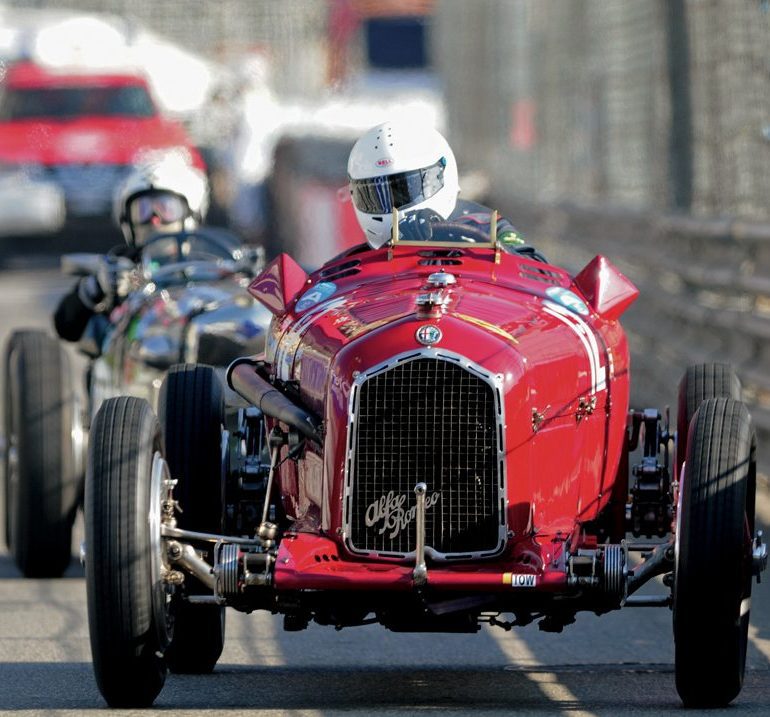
pixel 402 166
pixel 167 195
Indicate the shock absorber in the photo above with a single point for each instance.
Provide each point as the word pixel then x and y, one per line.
pixel 651 508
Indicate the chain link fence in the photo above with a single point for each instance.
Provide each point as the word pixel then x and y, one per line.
pixel 659 105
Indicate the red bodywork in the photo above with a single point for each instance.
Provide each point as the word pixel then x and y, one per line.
pixel 550 344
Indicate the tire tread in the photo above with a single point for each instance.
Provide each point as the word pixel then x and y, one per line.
pixel 192 413
pixel 39 408
pixel 711 570
pixel 118 580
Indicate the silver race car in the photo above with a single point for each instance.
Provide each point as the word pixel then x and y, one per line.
pixel 184 301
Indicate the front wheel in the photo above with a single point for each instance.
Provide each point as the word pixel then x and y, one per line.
pixel 715 525
pixel 128 614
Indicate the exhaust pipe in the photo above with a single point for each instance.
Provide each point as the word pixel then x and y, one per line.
pixel 243 378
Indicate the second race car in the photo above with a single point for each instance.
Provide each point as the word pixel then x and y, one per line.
pixel 186 302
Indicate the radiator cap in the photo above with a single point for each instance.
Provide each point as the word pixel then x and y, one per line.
pixel 442 278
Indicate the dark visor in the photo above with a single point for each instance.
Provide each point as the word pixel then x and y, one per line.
pixel 378 195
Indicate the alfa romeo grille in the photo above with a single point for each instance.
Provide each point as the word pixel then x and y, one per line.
pixel 427 420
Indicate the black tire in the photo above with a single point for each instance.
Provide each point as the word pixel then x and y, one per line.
pixel 128 622
pixel 700 382
pixel 192 414
pixel 713 558
pixel 7 419
pixel 42 480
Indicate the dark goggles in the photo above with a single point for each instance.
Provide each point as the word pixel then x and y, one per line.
pixel 379 195
pixel 166 207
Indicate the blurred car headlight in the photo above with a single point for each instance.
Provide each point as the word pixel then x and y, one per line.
pixel 29 202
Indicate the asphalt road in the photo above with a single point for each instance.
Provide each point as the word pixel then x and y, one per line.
pixel 617 664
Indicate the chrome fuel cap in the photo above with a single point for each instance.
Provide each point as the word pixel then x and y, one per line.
pixel 442 278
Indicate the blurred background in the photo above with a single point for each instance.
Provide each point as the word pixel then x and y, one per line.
pixel 638 130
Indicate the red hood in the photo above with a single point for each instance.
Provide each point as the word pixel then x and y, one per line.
pixel 89 140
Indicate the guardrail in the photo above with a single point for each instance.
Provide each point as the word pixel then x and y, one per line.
pixel 705 292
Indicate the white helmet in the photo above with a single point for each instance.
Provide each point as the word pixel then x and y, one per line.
pixel 403 166
pixel 169 178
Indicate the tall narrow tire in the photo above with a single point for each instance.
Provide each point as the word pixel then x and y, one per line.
pixel 700 382
pixel 192 414
pixel 715 525
pixel 42 484
pixel 128 623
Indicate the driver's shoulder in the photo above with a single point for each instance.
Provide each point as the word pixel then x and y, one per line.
pixel 472 212
pixel 466 209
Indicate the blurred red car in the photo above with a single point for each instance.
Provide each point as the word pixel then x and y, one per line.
pixel 78 133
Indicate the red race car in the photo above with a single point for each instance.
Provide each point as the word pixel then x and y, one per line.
pixel 437 436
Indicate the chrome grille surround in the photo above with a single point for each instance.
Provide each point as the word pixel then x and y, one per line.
pixel 496 502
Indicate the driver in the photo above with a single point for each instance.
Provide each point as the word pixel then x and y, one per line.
pixel 413 167
pixel 162 197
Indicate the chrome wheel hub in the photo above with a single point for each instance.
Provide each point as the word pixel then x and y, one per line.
pixel 159 566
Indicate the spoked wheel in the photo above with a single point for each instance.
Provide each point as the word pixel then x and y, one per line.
pixel 129 612
pixel 43 469
pixel 700 382
pixel 192 414
pixel 715 527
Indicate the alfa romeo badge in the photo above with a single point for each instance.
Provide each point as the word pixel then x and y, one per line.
pixel 428 334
